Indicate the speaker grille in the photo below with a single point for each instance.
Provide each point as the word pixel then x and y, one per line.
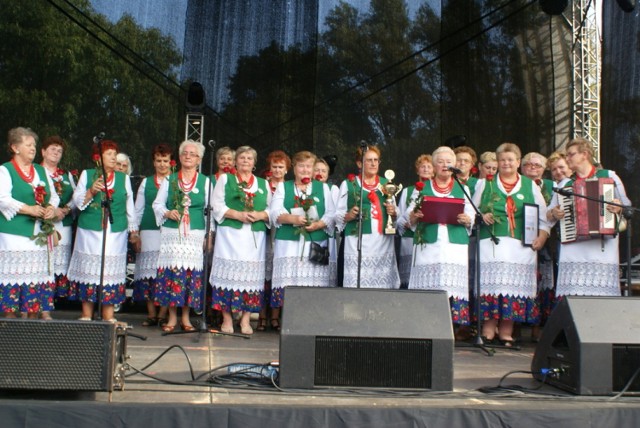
pixel 373 362
pixel 626 361
pixel 51 355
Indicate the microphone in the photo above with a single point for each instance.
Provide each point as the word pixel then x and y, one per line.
pixel 454 170
pixel 98 138
pixel 212 144
pixel 563 191
pixel 363 145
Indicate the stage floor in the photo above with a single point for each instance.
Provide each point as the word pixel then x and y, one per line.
pixel 173 391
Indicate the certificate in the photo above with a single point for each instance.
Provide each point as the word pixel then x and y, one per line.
pixel 530 231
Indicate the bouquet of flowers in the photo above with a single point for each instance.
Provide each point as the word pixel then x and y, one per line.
pixel 48 235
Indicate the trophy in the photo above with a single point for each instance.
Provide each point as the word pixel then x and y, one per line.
pixel 391 190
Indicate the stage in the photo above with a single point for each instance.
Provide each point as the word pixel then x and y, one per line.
pixel 169 398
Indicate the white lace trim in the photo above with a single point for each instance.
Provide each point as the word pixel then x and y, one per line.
pixel 588 279
pixel 184 252
pixel 293 271
pixel 376 272
pixel 453 278
pixel 146 265
pixel 61 258
pixel 237 275
pixel 85 268
pixel 24 267
pixel 512 279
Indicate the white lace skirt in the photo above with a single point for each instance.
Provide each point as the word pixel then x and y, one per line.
pixel 62 253
pixel 507 269
pixel 179 251
pixel 147 258
pixel 291 265
pixel 378 268
pixel 22 261
pixel 86 258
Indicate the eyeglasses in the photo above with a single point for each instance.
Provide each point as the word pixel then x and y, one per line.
pixel 534 165
pixel 372 160
pixel 190 154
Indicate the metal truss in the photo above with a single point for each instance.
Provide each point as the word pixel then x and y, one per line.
pixel 194 127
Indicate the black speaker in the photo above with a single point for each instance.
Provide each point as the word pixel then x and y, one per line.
pixel 61 355
pixel 553 7
pixel 346 337
pixel 594 343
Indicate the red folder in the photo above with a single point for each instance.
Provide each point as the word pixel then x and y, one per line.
pixel 441 210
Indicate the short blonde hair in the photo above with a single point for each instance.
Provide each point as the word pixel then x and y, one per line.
pixel 509 148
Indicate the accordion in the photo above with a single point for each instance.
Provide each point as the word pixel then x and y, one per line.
pixel 586 219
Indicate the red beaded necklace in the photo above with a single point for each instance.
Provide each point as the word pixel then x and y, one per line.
pixel 446 189
pixel 373 186
pixel 157 180
pixel 26 177
pixel 508 187
pixel 186 187
pixel 249 183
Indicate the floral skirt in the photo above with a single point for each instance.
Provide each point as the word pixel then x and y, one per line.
pixel 144 289
pixel 112 294
pixel 459 311
pixel 27 298
pixel 63 289
pixel 276 299
pixel 508 308
pixel 178 287
pixel 546 298
pixel 236 300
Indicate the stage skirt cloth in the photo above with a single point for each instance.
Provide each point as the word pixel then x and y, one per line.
pixel 146 266
pixel 84 269
pixel 589 268
pixel 291 266
pixel 443 265
pixel 238 269
pixel 404 259
pixel 179 278
pixel 26 282
pixel 378 269
pixel 61 259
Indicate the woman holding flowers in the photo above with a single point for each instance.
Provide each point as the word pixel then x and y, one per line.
pixel 63 183
pixel 148 247
pixel 440 259
pixel 508 270
pixel 240 207
pixel 179 210
pixel 84 269
pixel 424 169
pixel 303 214
pixel 378 267
pixel 27 204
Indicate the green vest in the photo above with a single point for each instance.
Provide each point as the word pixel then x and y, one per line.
pixel 427 233
pixel 196 209
pixel 23 224
pixel 546 190
pixel 492 193
pixel 65 197
pixel 352 227
pixel 91 217
pixel 471 184
pixel 600 173
pixel 148 221
pixel 234 199
pixel 290 232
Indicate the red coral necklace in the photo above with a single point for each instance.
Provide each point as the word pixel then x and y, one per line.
pixel 26 177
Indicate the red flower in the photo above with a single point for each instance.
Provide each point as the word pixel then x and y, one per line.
pixel 233 171
pixel 173 163
pixel 538 181
pixel 40 193
pixel 305 180
pixel 96 158
pixel 474 170
pixel 489 177
pixel 267 174
pixel 318 177
pixel 419 186
pixel 351 177
pixel 60 171
pixel 74 172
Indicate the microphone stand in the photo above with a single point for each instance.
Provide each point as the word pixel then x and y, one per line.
pixel 363 146
pixel 106 216
pixel 478 342
pixel 208 254
pixel 627 213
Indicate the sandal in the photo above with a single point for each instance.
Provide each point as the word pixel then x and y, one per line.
pixel 187 327
pixel 275 324
pixel 85 319
pixel 151 322
pixel 168 328
pixel 262 324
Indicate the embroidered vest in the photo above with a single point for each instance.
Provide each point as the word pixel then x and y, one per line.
pixel 290 232
pixel 148 221
pixel 493 193
pixel 428 233
pixel 196 209
pixel 352 227
pixel 91 217
pixel 23 224
pixel 234 199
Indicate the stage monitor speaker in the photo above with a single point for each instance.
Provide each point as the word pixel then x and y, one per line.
pixel 61 355
pixel 594 343
pixel 346 337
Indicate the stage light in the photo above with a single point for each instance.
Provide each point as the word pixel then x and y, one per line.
pixel 627 5
pixel 195 98
pixel 553 7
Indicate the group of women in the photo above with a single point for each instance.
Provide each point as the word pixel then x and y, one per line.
pixel 266 233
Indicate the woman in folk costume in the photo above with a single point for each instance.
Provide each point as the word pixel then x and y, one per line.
pixel 28 204
pixel 508 270
pixel 85 266
pixel 321 172
pixel 179 210
pixel 424 169
pixel 64 184
pixel 440 251
pixel 379 268
pixel 240 208
pixel 589 267
pixel 148 248
pixel 302 211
